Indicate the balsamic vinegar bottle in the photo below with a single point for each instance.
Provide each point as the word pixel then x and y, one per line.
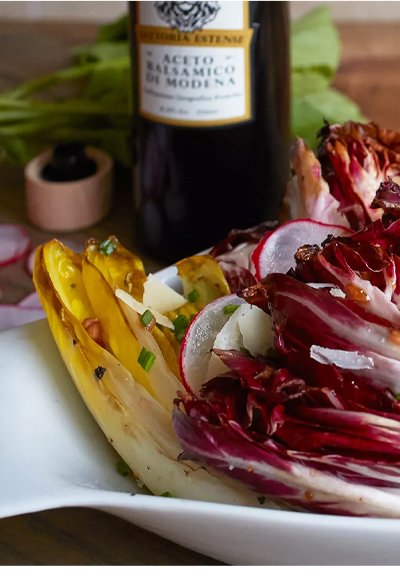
pixel 211 90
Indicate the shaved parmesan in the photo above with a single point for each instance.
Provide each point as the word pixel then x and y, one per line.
pixel 256 329
pixel 141 308
pixel 248 327
pixel 160 297
pixel 341 358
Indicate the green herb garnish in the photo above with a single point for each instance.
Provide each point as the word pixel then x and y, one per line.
pixel 123 469
pixel 193 296
pixel 180 325
pixel 229 309
pixel 166 495
pixel 147 318
pixel 146 359
pixel 107 247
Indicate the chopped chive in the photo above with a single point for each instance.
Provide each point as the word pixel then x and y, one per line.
pixel 180 325
pixel 147 318
pixel 229 309
pixel 193 296
pixel 146 359
pixel 123 469
pixel 107 247
pixel 166 495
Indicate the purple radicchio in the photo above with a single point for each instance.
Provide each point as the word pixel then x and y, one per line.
pixel 330 447
pixel 353 159
pixel 316 423
pixel 233 255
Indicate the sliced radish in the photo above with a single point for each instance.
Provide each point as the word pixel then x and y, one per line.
pixel 249 328
pixel 199 340
pixel 30 261
pixel 14 243
pixel 275 252
pixel 31 301
pixel 14 315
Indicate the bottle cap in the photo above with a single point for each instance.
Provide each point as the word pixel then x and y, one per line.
pixel 70 205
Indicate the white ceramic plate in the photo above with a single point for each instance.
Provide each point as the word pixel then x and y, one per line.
pixel 52 454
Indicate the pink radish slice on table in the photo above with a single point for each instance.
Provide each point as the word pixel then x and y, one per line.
pixel 30 261
pixel 275 252
pixel 13 315
pixel 31 301
pixel 14 243
pixel 199 340
pixel 75 246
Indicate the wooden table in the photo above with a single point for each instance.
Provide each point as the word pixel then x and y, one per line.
pixel 370 74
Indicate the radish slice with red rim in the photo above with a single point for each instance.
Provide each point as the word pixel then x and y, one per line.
pixel 13 315
pixel 14 243
pixel 31 301
pixel 199 340
pixel 275 252
pixel 30 261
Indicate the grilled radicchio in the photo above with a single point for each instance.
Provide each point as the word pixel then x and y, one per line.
pixel 316 422
pixel 233 255
pixel 339 186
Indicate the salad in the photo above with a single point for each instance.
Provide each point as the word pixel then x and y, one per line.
pixel 272 378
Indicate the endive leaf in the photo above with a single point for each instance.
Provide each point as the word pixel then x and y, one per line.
pixel 202 274
pixel 137 426
pixel 115 327
pixel 124 270
pixel 120 268
pixel 64 269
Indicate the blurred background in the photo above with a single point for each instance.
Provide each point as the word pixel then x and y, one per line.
pixel 66 60
pixel 102 11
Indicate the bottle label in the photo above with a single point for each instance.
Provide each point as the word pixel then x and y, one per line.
pixel 194 62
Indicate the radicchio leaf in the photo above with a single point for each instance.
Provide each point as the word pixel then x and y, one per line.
pixel 233 255
pixel 356 158
pixel 306 446
pixel 308 194
pixel 338 185
pixel 304 317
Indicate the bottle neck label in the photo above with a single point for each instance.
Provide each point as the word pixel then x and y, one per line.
pixel 194 62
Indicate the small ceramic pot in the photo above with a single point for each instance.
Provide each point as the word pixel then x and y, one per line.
pixel 72 205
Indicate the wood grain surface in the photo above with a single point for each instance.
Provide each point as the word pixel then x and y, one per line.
pixel 369 73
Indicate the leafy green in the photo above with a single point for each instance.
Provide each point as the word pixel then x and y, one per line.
pixel 315 43
pixel 96 102
pixel 310 111
pixel 315 57
pixel 117 30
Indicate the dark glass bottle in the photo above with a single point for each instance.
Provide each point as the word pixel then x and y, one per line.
pixel 211 91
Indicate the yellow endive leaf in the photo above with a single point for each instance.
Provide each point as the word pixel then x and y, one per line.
pixel 119 267
pixel 64 269
pixel 124 270
pixel 203 275
pixel 115 327
pixel 137 426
